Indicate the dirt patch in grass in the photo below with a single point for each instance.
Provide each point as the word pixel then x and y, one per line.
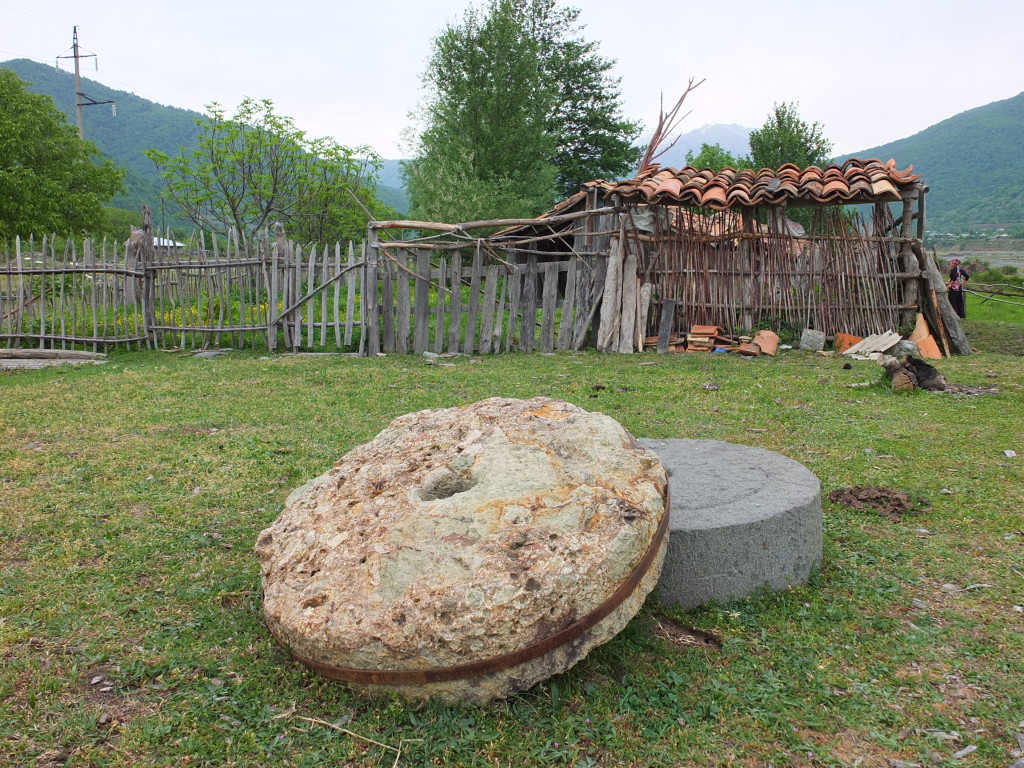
pixel 887 502
pixel 682 635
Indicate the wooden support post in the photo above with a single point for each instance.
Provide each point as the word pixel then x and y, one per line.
pixel 908 262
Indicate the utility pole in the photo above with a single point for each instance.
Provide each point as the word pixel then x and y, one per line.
pixel 81 100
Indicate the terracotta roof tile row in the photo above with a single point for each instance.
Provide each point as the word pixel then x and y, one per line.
pixel 855 181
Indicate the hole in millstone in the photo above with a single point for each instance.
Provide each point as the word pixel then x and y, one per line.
pixel 443 483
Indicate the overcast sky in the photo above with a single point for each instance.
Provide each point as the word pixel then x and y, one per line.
pixel 870 71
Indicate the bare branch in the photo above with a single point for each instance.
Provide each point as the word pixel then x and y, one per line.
pixel 661 140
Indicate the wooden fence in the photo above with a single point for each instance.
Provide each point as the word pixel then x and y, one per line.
pixel 271 294
pixel 594 277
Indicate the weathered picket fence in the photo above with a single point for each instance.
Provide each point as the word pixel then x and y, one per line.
pixel 270 294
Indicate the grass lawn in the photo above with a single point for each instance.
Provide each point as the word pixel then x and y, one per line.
pixel 130 627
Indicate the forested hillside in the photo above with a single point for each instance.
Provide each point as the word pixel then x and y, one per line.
pixel 973 164
pixel 139 124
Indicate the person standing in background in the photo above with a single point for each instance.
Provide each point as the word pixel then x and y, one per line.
pixel 957 295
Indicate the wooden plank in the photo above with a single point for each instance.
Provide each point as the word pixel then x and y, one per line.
pixel 490 294
pixel 611 301
pixel 566 324
pixel 324 316
pixel 439 313
pixel 223 293
pixel 500 314
pixel 455 300
pixel 630 289
pixel 90 258
pixel 61 311
pixel 469 342
pixel 336 295
pixel 597 298
pixel 643 311
pixel 549 305
pixel 388 306
pixel 350 298
pixel 668 313
pixel 528 322
pixel 41 302
pixel 584 278
pixel 422 302
pixel 370 322
pixel 404 307
pixel 515 281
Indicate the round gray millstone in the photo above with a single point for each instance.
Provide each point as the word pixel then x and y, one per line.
pixel 742 518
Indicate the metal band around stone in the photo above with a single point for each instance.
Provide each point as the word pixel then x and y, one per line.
pixel 507 660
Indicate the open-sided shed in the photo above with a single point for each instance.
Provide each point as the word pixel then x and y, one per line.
pixel 624 261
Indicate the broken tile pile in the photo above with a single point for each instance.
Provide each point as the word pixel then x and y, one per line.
pixel 711 338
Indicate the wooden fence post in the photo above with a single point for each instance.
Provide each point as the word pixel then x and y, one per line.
pixel 145 265
pixel 371 322
pixel 277 252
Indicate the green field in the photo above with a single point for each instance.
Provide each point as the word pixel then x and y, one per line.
pixel 131 494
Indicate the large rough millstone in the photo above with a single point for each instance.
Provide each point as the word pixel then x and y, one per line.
pixel 460 536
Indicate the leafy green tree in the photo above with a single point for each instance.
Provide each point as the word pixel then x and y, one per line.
pixel 715 157
pixel 520 110
pixel 50 180
pixel 785 138
pixel 257 168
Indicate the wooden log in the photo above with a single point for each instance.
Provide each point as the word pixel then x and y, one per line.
pixel 50 354
pixel 439 227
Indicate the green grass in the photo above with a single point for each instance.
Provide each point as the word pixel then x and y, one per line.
pixel 995 325
pixel 131 495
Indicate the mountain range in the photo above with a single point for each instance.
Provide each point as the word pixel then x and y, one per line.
pixel 972 162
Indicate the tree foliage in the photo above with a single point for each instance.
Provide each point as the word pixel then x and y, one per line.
pixel 785 138
pixel 715 157
pixel 50 180
pixel 520 110
pixel 257 168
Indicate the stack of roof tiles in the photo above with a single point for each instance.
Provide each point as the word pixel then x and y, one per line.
pixel 855 181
